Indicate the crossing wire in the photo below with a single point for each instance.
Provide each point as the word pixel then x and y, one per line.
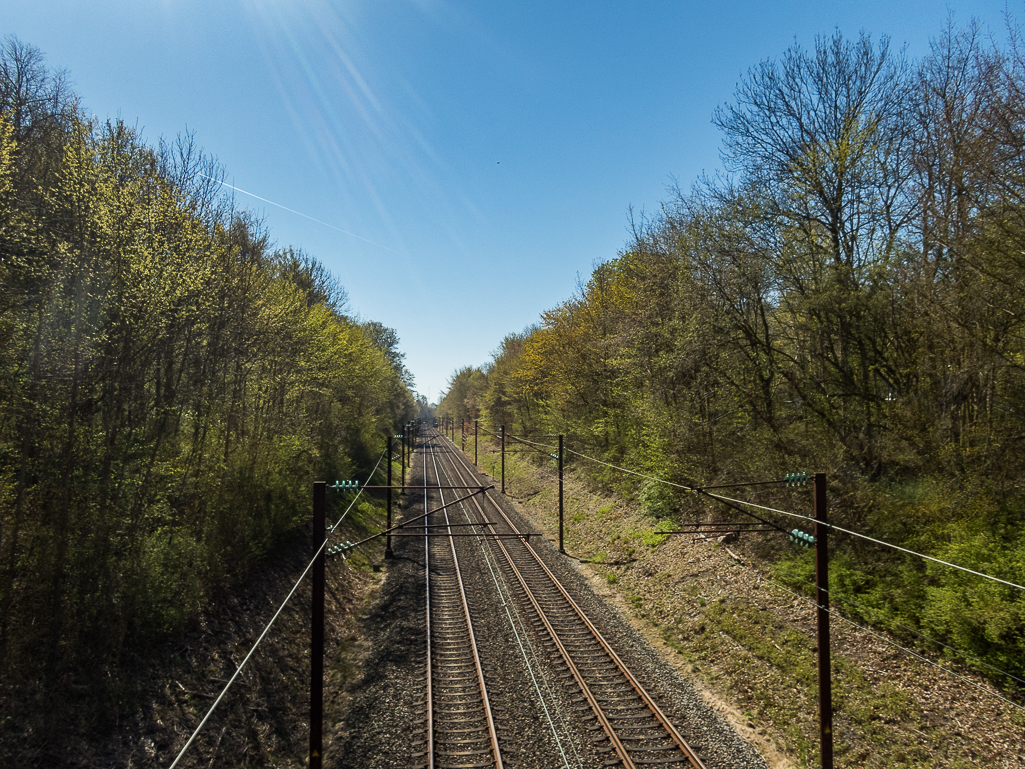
pixel 891 642
pixel 907 628
pixel 883 619
pixel 685 487
pixel 269 624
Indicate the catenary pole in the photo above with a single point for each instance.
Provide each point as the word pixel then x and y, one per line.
pixel 562 549
pixel 317 628
pixel 822 621
pixel 387 542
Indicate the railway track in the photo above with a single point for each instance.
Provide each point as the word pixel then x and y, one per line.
pixel 460 729
pixel 589 686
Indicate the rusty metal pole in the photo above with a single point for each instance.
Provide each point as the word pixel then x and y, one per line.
pixel 474 442
pixel 462 434
pixel 561 455
pixel 822 618
pixel 317 628
pixel 501 431
pixel 403 463
pixel 387 542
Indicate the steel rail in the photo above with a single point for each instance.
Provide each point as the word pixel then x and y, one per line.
pixel 688 753
pixel 430 671
pixel 564 652
pixel 429 451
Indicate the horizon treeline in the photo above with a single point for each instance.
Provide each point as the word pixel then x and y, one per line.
pixel 848 297
pixel 170 384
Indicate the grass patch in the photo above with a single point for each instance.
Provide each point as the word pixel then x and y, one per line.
pixel 876 723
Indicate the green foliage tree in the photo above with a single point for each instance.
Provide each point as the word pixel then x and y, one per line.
pixel 169 386
pixel 850 298
pixel 462 399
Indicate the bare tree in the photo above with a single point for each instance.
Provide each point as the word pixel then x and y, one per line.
pixel 32 95
pixel 196 175
pixel 826 135
pixel 823 144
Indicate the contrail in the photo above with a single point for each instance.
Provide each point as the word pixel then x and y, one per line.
pixel 300 213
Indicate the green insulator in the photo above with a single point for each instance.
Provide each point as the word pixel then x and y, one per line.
pixel 799 537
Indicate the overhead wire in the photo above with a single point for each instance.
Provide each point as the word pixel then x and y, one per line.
pixel 631 472
pixel 806 518
pixel 337 523
pixel 299 213
pixel 930 558
pixel 267 628
pixel 532 443
pixel 948 671
pixel 683 486
pixel 532 446
pixel 883 543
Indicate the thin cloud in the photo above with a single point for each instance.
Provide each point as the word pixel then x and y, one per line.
pixel 300 213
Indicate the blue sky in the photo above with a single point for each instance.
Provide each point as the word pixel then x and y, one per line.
pixel 467 160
